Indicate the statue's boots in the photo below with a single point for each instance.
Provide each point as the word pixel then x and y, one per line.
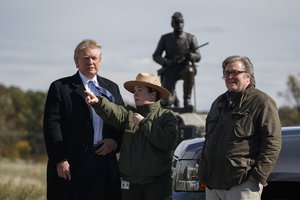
pixel 188 103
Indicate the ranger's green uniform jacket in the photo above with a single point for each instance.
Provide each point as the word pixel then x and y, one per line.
pixel 146 151
pixel 242 139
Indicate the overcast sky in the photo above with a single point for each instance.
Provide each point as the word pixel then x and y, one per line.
pixel 38 37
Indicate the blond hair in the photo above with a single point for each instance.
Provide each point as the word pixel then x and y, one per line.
pixel 87 44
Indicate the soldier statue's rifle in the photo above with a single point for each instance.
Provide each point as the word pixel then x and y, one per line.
pixel 179 59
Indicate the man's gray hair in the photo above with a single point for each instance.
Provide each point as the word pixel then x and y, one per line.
pixel 246 62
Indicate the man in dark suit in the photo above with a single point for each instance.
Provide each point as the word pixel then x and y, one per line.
pixel 81 147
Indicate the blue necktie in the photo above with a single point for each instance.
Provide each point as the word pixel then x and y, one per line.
pixel 100 91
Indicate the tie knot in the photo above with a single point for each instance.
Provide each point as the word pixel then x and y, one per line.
pixel 91 83
pixel 99 91
pixel 92 86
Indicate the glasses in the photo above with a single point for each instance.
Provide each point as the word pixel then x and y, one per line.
pixel 233 73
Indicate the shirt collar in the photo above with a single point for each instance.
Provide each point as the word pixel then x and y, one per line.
pixel 84 79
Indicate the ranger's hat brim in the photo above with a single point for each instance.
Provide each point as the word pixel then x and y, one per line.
pixel 147 80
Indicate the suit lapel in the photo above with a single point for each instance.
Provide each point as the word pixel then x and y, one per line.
pixel 78 85
pixel 103 84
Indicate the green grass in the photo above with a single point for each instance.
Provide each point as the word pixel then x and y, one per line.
pixel 22 180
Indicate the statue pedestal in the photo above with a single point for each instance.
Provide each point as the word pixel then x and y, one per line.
pixel 191 124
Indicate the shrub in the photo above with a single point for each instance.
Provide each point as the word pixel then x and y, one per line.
pixel 23 149
pixel 22 180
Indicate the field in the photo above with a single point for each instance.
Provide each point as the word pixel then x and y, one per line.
pixel 22 180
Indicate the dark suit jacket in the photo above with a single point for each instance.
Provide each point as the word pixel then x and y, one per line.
pixel 69 133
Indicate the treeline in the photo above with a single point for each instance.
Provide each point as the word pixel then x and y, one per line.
pixel 21 119
pixel 290 115
pixel 21 123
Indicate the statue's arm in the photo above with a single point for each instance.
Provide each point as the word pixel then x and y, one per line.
pixel 158 54
pixel 195 54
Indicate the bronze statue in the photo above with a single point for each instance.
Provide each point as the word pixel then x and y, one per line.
pixel 180 51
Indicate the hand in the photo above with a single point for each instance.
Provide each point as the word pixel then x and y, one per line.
pixel 63 170
pixel 108 146
pixel 189 56
pixel 186 57
pixel 91 98
pixel 137 118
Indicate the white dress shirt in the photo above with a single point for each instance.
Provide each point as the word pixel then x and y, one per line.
pixel 97 121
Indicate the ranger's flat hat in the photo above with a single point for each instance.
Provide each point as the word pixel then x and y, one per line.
pixel 147 80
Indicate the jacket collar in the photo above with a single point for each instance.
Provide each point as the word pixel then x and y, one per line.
pixel 148 108
pixel 78 85
pixel 230 100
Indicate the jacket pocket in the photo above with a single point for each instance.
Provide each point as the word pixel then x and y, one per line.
pixel 243 124
pixel 237 169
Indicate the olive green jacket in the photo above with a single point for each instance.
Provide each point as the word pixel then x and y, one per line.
pixel 146 150
pixel 241 140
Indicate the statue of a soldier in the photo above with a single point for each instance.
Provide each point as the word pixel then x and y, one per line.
pixel 180 53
